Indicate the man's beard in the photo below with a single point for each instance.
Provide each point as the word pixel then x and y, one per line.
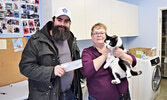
pixel 60 34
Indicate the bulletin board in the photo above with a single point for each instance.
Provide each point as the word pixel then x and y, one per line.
pixel 9 62
pixel 19 17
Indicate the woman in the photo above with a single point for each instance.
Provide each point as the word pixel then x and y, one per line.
pixel 93 59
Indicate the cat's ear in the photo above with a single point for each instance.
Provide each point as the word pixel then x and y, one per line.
pixel 107 37
pixel 114 36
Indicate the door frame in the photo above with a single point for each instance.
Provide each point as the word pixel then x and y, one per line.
pixel 159 37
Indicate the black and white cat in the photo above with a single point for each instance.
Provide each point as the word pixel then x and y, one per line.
pixel 120 68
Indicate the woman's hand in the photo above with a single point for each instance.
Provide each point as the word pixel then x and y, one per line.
pixel 105 51
pixel 118 52
pixel 121 54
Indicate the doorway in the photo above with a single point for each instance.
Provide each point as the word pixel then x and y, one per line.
pixel 162 38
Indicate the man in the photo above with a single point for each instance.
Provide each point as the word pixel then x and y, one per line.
pixel 42 57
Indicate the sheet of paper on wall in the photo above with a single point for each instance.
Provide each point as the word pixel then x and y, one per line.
pixel 17 44
pixel 3 44
pixel 69 66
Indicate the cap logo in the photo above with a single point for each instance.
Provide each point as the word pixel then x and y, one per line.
pixel 65 10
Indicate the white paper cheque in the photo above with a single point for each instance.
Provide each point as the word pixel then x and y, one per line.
pixel 69 66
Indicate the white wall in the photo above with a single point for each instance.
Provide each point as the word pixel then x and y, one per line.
pixel 46 11
pixel 148 23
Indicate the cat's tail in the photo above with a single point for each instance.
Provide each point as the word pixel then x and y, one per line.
pixel 135 73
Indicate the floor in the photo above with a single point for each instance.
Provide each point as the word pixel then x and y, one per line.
pixel 163 90
pixel 161 96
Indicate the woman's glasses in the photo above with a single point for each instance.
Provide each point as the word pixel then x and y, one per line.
pixel 100 33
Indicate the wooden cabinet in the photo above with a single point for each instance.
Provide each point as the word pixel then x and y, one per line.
pixel 124 20
pixel 120 18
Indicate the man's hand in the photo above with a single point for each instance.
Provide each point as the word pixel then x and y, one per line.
pixel 59 70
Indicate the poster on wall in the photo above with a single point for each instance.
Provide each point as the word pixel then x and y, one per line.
pixel 17 44
pixel 30 18
pixel 19 17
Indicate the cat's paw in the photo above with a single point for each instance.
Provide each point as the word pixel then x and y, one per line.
pixel 115 81
pixel 128 75
pixel 105 66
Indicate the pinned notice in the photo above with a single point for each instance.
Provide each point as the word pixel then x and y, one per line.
pixel 17 44
pixel 3 44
